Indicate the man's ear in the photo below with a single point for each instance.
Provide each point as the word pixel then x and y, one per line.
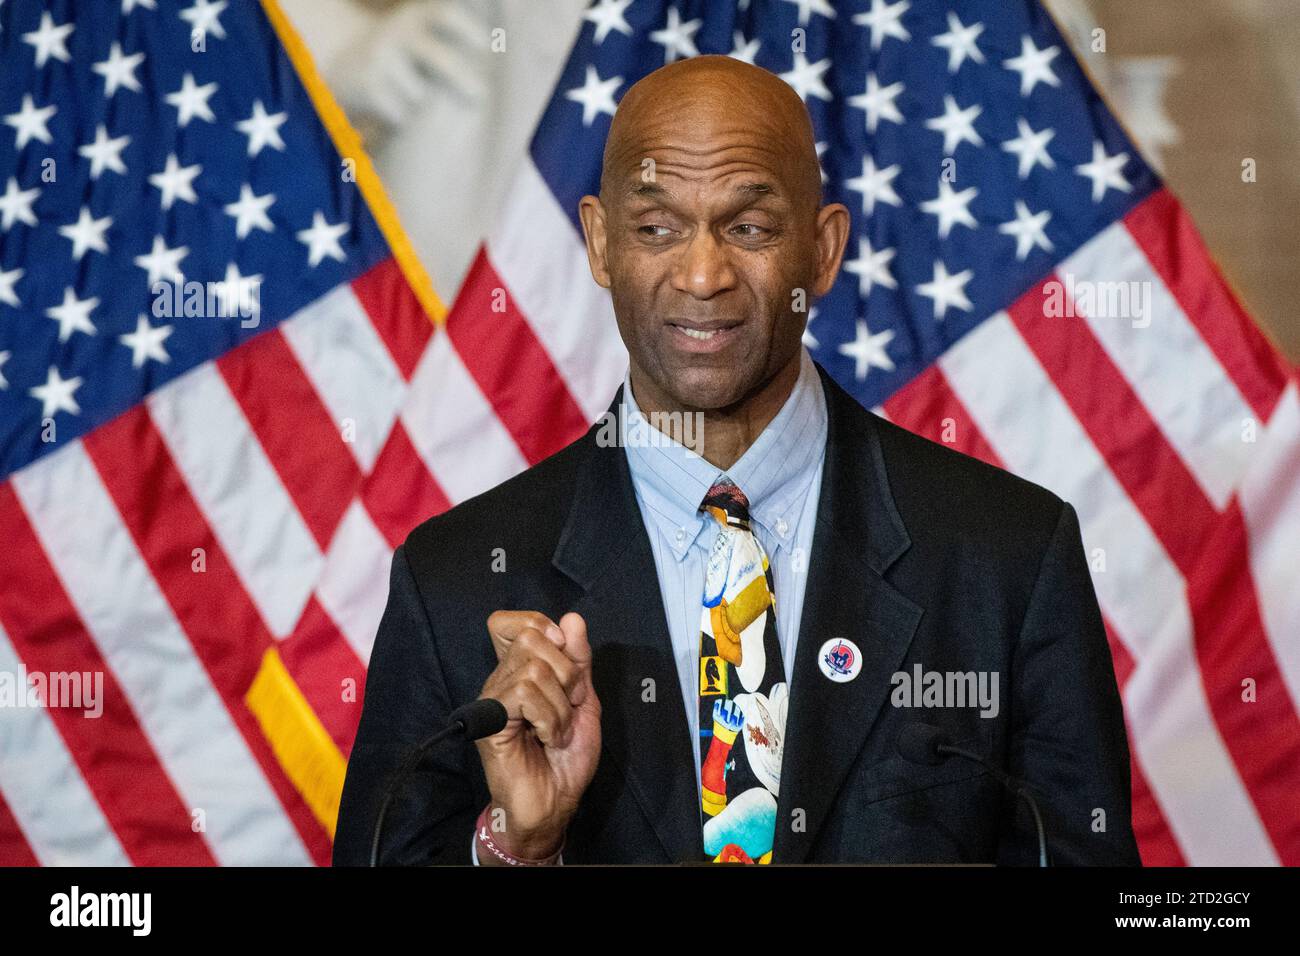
pixel 592 214
pixel 832 235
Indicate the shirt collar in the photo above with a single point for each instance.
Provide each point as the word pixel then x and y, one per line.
pixel 774 473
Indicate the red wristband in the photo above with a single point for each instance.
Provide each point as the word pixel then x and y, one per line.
pixel 484 835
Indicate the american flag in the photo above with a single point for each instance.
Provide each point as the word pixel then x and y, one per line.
pixel 1018 285
pixel 207 337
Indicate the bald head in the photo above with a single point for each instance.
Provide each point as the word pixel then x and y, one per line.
pixel 710 234
pixel 705 103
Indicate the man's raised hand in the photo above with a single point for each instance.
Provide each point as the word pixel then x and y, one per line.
pixel 539 766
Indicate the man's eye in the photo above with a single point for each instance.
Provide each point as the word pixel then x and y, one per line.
pixel 654 232
pixel 750 230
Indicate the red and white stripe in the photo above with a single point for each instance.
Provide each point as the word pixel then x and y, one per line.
pixel 64 822
pixel 1179 447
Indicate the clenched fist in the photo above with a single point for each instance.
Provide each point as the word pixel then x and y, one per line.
pixel 539 766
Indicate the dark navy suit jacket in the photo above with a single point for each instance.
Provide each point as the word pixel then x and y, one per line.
pixel 921 555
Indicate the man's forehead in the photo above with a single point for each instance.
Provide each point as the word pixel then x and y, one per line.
pixel 700 136
pixel 716 125
pixel 741 185
pixel 734 167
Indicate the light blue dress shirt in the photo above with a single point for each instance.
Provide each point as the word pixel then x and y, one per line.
pixel 780 474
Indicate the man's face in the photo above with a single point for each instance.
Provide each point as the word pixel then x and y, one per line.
pixel 710 251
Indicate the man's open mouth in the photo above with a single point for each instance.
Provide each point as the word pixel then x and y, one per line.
pixel 698 334
pixel 705 331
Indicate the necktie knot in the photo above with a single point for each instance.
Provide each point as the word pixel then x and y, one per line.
pixel 727 503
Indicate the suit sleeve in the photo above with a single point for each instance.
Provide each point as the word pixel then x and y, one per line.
pixel 1068 741
pixel 432 816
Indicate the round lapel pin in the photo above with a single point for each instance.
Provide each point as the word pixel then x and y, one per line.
pixel 840 660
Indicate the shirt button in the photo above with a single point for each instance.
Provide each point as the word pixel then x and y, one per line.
pixel 781 527
pixel 681 535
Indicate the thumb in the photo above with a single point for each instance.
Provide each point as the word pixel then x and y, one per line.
pixel 577 649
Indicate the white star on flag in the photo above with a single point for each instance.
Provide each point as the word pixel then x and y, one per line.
pixel 946 290
pixel 875 184
pixel 176 182
pixel 743 50
pixel 806 78
pixel 808 7
pixel 676 36
pixel 49 40
pixel 868 351
pixel 249 212
pixel 960 42
pixel 262 129
pixel 1105 171
pixel 16 205
pixel 203 18
pixel 119 70
pixel 161 262
pixel 4 357
pixel 871 267
pixel 129 5
pixel 73 314
pixel 191 100
pixel 146 342
pixel 56 395
pixel 322 239
pixel 884 20
pixel 1028 229
pixel 86 233
pixel 30 122
pixel 7 282
pixel 595 95
pixel 878 102
pixel 608 15
pixel 1033 65
pixel 105 153
pixel 957 125
pixel 951 207
pixel 238 293
pixel 1031 148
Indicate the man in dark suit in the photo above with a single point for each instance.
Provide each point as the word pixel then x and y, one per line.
pixel 891 558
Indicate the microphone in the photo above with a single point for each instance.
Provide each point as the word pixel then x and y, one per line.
pixel 475 720
pixel 480 718
pixel 923 744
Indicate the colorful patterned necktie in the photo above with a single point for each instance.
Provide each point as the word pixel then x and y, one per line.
pixel 742 689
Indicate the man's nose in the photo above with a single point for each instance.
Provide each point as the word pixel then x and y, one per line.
pixel 703 268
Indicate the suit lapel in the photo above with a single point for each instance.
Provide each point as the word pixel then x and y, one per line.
pixel 605 549
pixel 859 534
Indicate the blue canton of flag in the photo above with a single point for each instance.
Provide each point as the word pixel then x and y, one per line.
pixel 148 143
pixel 969 146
